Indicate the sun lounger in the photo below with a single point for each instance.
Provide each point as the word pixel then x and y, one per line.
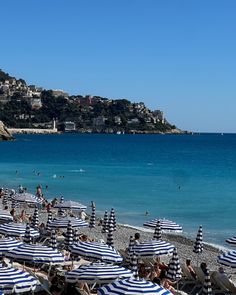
pixel 189 283
pixel 222 285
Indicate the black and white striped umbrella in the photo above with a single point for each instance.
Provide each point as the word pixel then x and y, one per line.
pixel 132 286
pixel 166 225
pixel 69 235
pixel 228 259
pixel 198 246
pixel 112 219
pixel 134 265
pixel 62 200
pixel 110 236
pixel 49 220
pixel 36 253
pixel 7 244
pixel 105 223
pixel 96 251
pixel 157 232
pixel 92 222
pixel 174 269
pixel 5 216
pixel 27 238
pixel 98 273
pixel 4 200
pixel 27 198
pixel 63 222
pixel 153 248
pixel 14 281
pixel 61 212
pixel 75 236
pixel 35 219
pixel 16 230
pixel 231 241
pixel 207 290
pixel 71 205
pixel 130 249
pixel 14 204
pixel 53 240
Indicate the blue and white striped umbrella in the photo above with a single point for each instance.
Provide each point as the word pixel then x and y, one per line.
pixel 27 198
pixel 166 225
pixel 63 222
pixel 49 220
pixel 153 248
pixel 14 204
pixel 16 230
pixel 198 246
pixel 98 273
pixel 36 253
pixel 157 232
pixel 96 251
pixel 228 259
pixel 232 241
pixel 27 238
pixel 132 286
pixel 174 269
pixel 93 217
pixel 13 281
pixel 71 205
pixel 62 200
pixel 7 244
pixel 75 236
pixel 61 212
pixel 53 240
pixel 4 200
pixel 5 216
pixel 134 265
pixel 110 236
pixel 69 235
pixel 105 223
pixel 112 220
pixel 207 290
pixel 130 249
pixel 35 219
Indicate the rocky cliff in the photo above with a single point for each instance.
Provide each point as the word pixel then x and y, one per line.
pixel 4 133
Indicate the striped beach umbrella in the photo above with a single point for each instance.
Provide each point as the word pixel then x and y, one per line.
pixel 231 241
pixel 132 286
pixel 100 273
pixel 27 237
pixel 174 270
pixel 62 200
pixel 153 248
pixel 112 219
pixel 27 198
pixel 63 222
pixel 7 244
pixel 36 254
pixel 157 232
pixel 60 212
pixel 96 251
pixel 53 240
pixel 35 219
pixel 4 200
pixel 14 204
pixel 130 249
pixel 207 290
pixel 14 281
pixel 105 223
pixel 134 265
pixel 166 225
pixel 110 236
pixel 69 235
pixel 71 205
pixel 228 259
pixel 16 230
pixel 198 246
pixel 5 216
pixel 75 236
pixel 93 217
pixel 49 220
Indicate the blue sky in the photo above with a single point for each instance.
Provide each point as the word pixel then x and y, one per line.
pixel 174 55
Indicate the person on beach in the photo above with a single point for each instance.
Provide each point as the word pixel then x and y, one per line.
pixel 190 268
pixel 161 264
pixel 203 267
pixel 23 216
pixel 83 215
pixel 156 271
pixel 13 214
pixel 143 272
pixel 136 238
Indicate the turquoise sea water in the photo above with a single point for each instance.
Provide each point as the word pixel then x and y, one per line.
pixel 188 179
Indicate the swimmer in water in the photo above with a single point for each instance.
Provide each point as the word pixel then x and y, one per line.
pixel 146 213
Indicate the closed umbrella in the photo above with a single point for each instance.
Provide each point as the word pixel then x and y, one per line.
pixel 53 240
pixel 134 265
pixel 98 273
pixel 62 199
pixel 112 219
pixel 157 232
pixel 130 249
pixel 110 236
pixel 96 251
pixel 153 248
pixel 16 230
pixel 69 235
pixel 207 290
pixel 93 217
pixel 36 254
pixel 4 200
pixel 49 219
pixel 105 223
pixel 75 236
pixel 13 281
pixel 35 219
pixel 198 246
pixel 7 244
pixel 166 225
pixel 174 269
pixel 132 286
pixel 27 237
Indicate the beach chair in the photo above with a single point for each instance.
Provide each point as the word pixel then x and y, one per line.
pixel 188 282
pixel 45 284
pixel 222 286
